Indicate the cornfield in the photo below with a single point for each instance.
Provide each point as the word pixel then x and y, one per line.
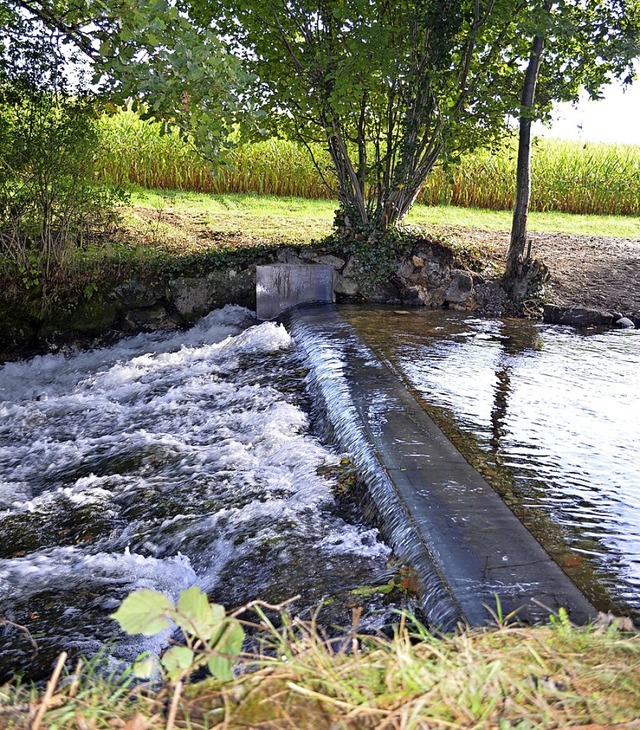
pixel 570 177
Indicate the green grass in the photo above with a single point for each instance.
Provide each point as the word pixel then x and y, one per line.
pixel 529 678
pixel 586 225
pixel 192 220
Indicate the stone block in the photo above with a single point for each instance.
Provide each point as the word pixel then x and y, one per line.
pixel 282 286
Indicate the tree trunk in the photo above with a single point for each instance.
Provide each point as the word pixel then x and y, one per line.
pixel 516 269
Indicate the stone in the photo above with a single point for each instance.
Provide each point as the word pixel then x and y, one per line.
pixel 149 319
pixel 412 296
pixel 287 256
pixel 460 288
pixel 352 268
pixel 195 296
pixel 345 286
pixel 577 316
pixel 624 323
pixel 134 294
pixel 333 261
pixel 382 293
pixel 191 296
pixel 405 269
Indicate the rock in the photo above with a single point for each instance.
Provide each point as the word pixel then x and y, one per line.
pixel 437 264
pixel 352 268
pixel 333 261
pixel 191 296
pixel 287 256
pixel 194 297
pixel 345 286
pixel 149 319
pixel 624 323
pixel 405 270
pixel 382 293
pixel 460 288
pixel 490 297
pixel 134 294
pixel 411 296
pixel 577 317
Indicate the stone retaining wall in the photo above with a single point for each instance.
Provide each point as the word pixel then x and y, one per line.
pixel 427 277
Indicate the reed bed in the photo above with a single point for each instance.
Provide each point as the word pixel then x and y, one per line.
pixel 154 155
pixel 568 177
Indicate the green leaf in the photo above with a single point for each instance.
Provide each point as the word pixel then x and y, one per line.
pixel 145 666
pixel 195 616
pixel 227 648
pixel 144 612
pixel 176 660
pixel 220 667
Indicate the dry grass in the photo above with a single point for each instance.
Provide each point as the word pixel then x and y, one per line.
pixel 545 677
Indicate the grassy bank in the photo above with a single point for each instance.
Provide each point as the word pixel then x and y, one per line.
pixel 181 221
pixel 568 177
pixel 545 677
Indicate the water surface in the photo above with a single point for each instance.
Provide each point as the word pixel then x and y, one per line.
pixel 550 415
pixel 166 461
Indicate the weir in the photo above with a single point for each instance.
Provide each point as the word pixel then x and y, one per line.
pixel 473 556
pixel 282 286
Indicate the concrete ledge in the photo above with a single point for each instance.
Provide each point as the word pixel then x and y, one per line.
pixel 441 515
pixel 282 286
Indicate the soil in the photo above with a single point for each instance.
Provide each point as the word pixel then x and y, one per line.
pixel 586 271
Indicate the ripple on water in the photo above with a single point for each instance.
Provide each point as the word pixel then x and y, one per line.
pixel 555 413
pixel 163 462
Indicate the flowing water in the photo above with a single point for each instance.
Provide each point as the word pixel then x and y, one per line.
pixel 166 461
pixel 196 458
pixel 549 415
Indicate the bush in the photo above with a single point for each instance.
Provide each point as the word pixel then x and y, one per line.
pixel 50 202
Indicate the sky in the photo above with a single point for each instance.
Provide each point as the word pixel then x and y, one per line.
pixel 614 119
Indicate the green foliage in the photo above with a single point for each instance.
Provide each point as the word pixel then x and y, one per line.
pixel 50 201
pixel 389 87
pixel 148 50
pixel 377 251
pixel 572 177
pixel 212 639
pixel 138 149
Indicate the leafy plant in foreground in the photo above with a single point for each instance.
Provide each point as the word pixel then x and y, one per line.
pixel 212 639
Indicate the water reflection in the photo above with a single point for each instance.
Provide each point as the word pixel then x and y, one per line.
pixel 549 416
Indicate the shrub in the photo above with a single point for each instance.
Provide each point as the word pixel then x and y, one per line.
pixel 50 201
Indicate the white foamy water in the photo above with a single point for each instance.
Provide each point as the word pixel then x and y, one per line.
pixel 165 461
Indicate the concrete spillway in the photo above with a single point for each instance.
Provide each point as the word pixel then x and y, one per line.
pixel 472 554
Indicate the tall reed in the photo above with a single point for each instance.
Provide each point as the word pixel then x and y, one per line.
pixel 569 177
pixel 154 155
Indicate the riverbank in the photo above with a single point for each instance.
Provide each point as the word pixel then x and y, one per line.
pixel 594 261
pixel 176 256
pixel 546 677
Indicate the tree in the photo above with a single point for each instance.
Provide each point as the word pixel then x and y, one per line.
pixel 392 87
pixel 133 49
pixel 583 45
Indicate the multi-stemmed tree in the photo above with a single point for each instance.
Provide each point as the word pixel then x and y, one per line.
pixel 390 87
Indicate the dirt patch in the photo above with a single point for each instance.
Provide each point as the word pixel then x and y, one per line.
pixel 586 271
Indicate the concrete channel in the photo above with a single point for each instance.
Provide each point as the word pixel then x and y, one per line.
pixel 474 558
